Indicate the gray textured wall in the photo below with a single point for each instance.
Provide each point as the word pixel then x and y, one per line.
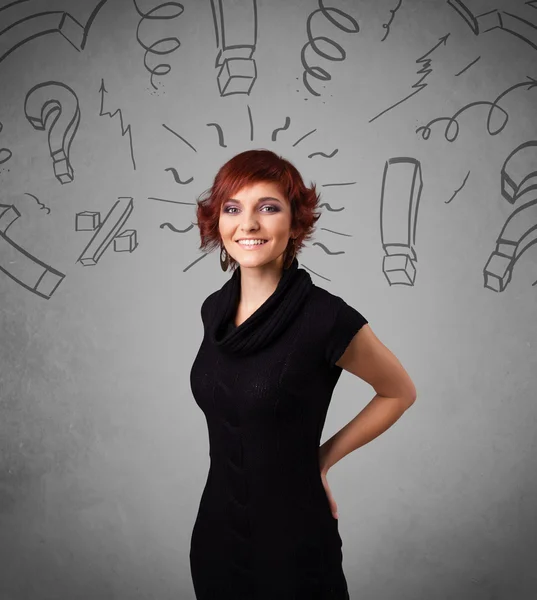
pixel 424 146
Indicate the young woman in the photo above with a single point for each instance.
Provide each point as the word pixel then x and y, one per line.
pixel 274 347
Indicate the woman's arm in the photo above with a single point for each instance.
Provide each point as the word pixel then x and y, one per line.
pixel 369 359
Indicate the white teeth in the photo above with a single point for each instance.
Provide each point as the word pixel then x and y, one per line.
pixel 252 243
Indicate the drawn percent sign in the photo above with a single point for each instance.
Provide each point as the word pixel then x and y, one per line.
pixel 107 231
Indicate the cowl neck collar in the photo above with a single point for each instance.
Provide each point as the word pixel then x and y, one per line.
pixel 268 321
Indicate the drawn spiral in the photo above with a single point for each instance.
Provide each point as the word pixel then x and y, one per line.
pixel 162 46
pixel 315 71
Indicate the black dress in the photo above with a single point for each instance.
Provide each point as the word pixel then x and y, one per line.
pixel 264 529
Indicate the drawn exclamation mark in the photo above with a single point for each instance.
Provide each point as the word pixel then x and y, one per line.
pixel 235 24
pixel 401 190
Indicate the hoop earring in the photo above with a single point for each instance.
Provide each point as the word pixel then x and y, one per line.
pixel 224 259
pixel 291 255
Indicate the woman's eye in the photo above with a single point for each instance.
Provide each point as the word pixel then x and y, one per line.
pixel 228 209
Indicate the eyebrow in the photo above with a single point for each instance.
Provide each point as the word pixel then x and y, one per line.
pixel 263 199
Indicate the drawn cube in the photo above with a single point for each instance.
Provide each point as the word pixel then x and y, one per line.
pixel 87 221
pixel 126 241
pixel 237 76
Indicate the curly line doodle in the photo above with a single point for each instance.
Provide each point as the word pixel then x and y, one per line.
pixel 452 128
pixel 5 153
pixel 283 128
pixel 220 132
pixel 162 46
pixel 41 205
pixel 316 71
pixel 387 25
pixel 177 178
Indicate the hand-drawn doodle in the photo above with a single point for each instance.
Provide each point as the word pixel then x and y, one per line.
pixel 235 25
pixel 510 23
pixel 467 67
pixel 300 139
pixel 515 180
pixel 518 184
pixel 338 184
pixel 25 20
pixel 323 154
pixel 177 178
pixel 161 46
pixel 283 128
pixel 179 136
pixel 315 71
pixel 107 231
pixel 124 130
pixel 170 201
pixel 220 131
pixel 327 251
pixel 40 204
pixel 54 106
pixel 251 123
pixel 516 236
pixel 459 188
pixel 21 266
pixel 424 71
pixel 5 153
pixel 465 13
pixel 170 226
pixel 490 20
pixel 387 25
pixel 453 125
pixel 400 196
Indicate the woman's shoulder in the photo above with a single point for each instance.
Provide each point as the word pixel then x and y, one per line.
pixel 323 299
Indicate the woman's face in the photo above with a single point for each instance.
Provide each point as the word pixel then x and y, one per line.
pixel 259 212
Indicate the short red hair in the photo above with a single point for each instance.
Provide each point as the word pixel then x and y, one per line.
pixel 248 168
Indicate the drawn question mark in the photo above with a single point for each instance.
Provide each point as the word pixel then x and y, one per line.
pixel 54 106
pixel 518 185
pixel 401 191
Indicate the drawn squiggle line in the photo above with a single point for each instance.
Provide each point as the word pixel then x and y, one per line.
pixel 316 71
pixel 42 206
pixel 323 154
pixel 425 130
pixel 386 26
pixel 170 226
pixel 336 184
pixel 458 189
pixel 278 129
pixel 329 208
pixel 124 129
pixel 157 47
pixel 327 250
pixel 177 178
pixel 220 131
